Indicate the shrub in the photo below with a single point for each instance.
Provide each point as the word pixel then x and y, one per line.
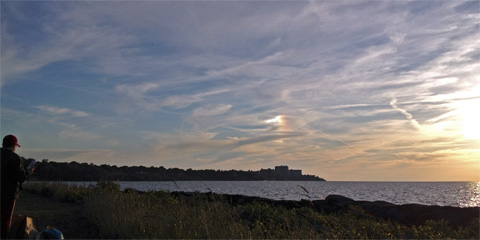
pixel 61 191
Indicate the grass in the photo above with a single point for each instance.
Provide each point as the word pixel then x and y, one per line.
pixel 105 212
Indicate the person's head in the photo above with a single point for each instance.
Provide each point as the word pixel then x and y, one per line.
pixel 10 142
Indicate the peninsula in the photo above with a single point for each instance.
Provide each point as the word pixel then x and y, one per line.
pixel 58 171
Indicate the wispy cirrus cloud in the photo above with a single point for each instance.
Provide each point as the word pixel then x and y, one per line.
pixel 56 111
pixel 59 42
pixel 210 111
pixel 409 116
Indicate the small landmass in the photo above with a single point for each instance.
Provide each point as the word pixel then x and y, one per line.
pixel 46 170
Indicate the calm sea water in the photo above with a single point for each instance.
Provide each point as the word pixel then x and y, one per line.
pixel 458 194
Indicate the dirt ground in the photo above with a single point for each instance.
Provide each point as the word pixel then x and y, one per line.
pixel 68 218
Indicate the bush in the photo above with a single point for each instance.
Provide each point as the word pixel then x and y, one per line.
pixel 108 185
pixel 60 191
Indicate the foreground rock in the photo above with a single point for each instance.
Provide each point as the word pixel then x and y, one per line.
pixel 407 214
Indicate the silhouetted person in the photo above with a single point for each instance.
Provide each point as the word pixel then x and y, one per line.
pixel 13 175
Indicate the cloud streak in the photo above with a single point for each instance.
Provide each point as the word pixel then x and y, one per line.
pixel 409 116
pixel 62 111
pixel 210 111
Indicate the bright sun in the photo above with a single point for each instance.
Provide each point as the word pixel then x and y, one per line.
pixel 469 111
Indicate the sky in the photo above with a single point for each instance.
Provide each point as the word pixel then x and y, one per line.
pixel 345 90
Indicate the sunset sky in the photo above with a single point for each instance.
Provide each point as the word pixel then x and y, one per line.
pixel 345 90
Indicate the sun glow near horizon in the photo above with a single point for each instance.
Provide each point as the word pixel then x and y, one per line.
pixel 470 115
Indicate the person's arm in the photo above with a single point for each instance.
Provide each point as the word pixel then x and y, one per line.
pixel 21 173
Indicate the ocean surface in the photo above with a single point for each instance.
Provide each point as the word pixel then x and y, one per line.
pixel 457 194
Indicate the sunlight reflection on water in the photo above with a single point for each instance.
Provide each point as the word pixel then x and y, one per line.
pixel 473 195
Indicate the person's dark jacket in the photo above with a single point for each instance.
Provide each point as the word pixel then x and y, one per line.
pixel 13 174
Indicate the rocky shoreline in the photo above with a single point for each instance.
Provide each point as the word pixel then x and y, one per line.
pixel 406 214
pixel 110 213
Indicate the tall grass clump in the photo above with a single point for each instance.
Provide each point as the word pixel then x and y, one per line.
pixel 160 215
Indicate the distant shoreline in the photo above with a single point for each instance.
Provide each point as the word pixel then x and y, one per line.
pixel 94 181
pixel 59 171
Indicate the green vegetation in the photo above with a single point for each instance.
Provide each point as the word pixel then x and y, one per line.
pixel 110 213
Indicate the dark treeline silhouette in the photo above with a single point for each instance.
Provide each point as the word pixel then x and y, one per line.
pixel 74 171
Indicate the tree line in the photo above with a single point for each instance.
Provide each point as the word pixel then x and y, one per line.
pixel 60 171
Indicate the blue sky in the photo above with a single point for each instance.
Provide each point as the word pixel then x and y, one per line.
pixel 346 90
